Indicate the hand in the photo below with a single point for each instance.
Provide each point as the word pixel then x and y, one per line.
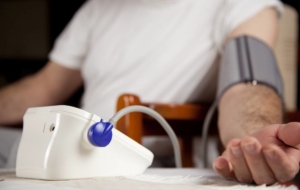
pixel 269 155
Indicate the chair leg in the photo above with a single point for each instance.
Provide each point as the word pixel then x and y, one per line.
pixel 186 148
pixel 131 124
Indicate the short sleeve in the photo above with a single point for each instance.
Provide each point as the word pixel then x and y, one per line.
pixel 71 45
pixel 235 12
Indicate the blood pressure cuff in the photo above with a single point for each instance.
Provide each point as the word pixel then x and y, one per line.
pixel 248 60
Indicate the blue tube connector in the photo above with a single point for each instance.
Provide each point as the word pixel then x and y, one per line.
pixel 100 133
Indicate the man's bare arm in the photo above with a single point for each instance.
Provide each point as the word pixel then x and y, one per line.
pixel 259 148
pixel 244 109
pixel 51 85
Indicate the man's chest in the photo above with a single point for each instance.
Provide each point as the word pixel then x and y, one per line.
pixel 148 39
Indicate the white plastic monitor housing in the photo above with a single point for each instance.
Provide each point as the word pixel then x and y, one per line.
pixel 54 146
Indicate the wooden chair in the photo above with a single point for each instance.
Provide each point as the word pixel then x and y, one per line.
pixel 185 119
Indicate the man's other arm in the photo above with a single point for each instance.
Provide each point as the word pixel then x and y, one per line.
pixel 51 85
pixel 258 148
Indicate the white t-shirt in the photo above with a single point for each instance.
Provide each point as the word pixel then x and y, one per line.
pixel 162 50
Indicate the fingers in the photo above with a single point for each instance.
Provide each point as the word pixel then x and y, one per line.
pixel 261 172
pixel 283 168
pixel 290 134
pixel 248 161
pixel 238 161
pixel 224 168
pixel 244 162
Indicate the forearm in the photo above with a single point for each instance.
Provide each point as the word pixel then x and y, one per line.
pixel 51 85
pixel 16 98
pixel 245 109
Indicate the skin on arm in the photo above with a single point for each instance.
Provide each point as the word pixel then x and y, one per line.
pixel 251 105
pixel 258 147
pixel 51 85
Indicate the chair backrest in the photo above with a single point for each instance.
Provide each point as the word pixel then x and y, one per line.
pixel 185 119
pixel 287 55
pixel 173 113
